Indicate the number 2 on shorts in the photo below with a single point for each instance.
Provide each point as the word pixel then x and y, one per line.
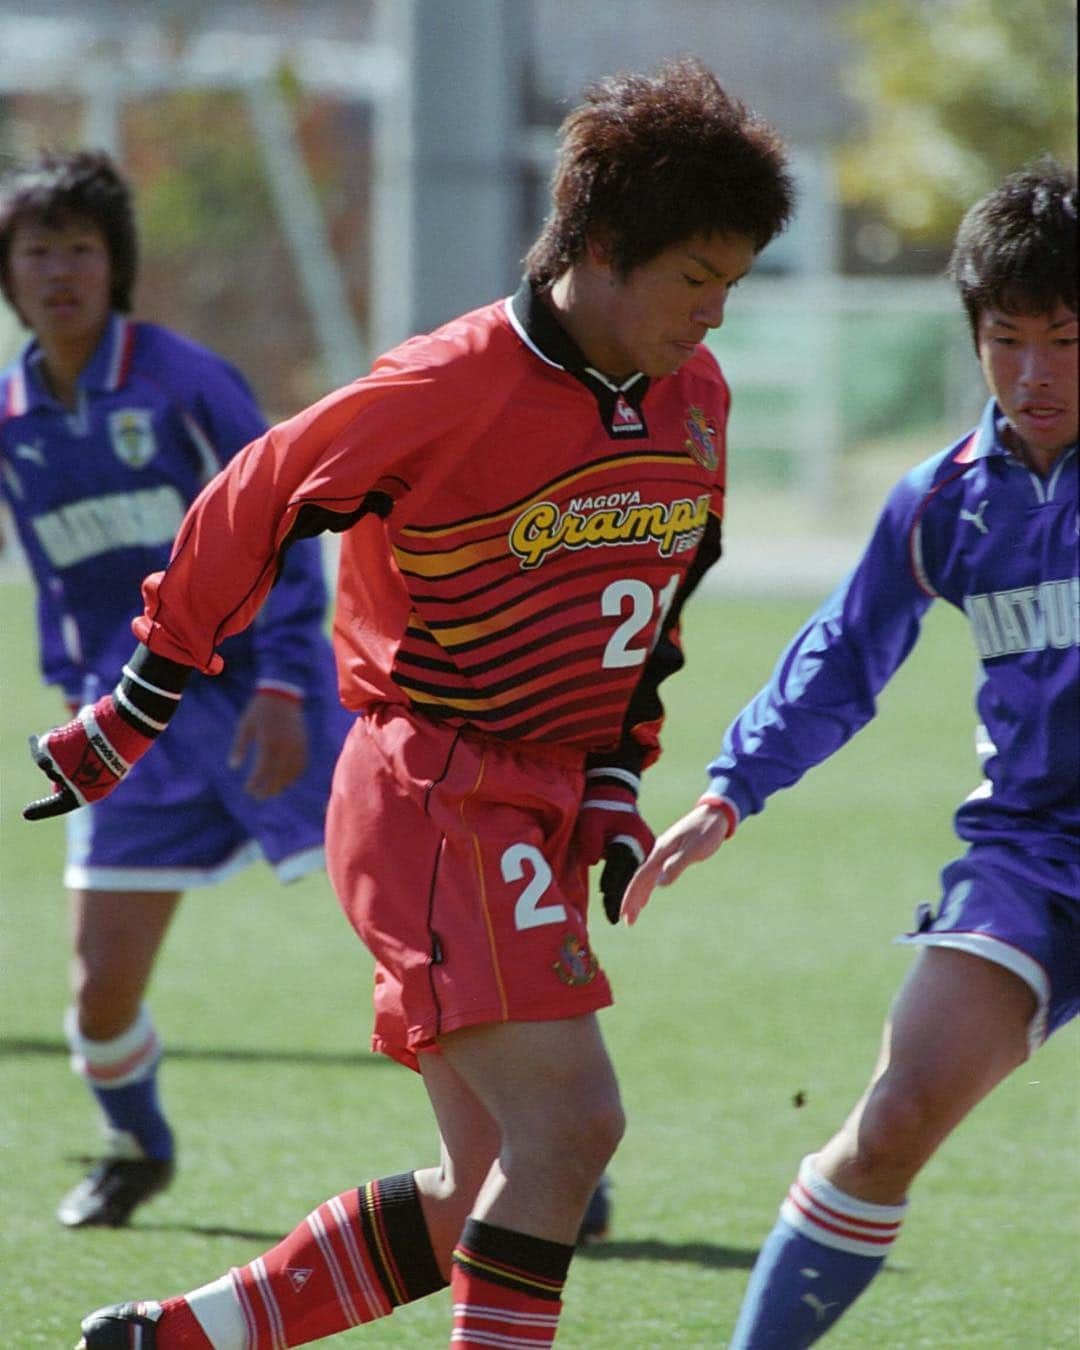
pixel 518 861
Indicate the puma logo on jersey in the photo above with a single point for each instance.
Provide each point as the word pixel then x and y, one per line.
pixel 976 517
pixel 33 453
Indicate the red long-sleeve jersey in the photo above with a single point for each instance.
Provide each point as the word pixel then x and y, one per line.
pixel 519 533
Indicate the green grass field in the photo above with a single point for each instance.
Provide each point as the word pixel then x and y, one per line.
pixel 763 975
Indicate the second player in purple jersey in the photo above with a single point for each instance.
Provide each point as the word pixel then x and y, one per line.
pixel 109 428
pixel 991 527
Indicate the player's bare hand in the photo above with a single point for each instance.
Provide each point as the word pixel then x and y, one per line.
pixel 272 733
pixel 692 839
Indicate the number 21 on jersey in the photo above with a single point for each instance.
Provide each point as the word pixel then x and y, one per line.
pixel 633 599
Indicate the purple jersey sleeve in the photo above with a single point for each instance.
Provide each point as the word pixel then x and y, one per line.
pixel 57 666
pixel 983 531
pixel 826 682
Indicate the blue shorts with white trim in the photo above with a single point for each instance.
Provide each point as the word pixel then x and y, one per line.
pixel 1022 912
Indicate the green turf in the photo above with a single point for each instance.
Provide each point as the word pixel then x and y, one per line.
pixel 763 975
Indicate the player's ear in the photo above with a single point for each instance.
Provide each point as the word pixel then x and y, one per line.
pixel 599 249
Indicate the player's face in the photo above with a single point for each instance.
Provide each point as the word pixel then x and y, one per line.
pixel 1030 365
pixel 60 280
pixel 662 310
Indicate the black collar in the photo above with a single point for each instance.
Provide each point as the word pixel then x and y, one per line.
pixel 619 404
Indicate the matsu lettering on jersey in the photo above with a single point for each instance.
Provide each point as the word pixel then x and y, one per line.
pixel 1026 619
pixel 607 519
pixel 97 525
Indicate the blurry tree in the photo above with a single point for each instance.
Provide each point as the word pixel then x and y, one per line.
pixel 956 94
pixel 215 258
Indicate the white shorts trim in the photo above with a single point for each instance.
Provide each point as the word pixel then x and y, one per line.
pixel 79 877
pixel 1001 954
pixel 298 865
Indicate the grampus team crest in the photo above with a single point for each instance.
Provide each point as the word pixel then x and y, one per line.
pixel 131 431
pixel 576 963
pixel 700 444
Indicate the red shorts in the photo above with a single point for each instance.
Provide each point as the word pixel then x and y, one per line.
pixel 450 854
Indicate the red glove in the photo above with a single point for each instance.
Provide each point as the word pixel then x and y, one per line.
pixel 610 827
pixel 85 758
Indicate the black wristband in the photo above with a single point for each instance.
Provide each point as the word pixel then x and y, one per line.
pixel 149 690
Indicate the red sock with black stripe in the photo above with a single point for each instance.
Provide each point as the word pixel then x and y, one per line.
pixel 507 1288
pixel 354 1259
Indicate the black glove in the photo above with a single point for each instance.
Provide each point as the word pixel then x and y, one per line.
pixel 610 828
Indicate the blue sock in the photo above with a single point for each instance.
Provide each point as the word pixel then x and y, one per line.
pixel 135 1110
pixel 824 1250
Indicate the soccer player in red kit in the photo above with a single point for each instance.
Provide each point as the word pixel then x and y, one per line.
pixel 527 496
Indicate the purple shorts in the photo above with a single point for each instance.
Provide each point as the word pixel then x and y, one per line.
pixel 1019 911
pixel 181 818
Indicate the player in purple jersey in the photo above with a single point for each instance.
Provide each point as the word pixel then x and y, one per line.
pixel 108 430
pixel 991 526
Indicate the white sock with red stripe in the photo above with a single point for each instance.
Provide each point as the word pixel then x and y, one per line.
pixel 122 1074
pixel 825 1249
pixel 355 1258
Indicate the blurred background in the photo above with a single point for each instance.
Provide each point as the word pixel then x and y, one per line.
pixel 316 179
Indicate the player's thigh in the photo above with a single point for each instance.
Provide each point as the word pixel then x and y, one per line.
pixel 959 1025
pixel 536 1078
pixel 468 1133
pixel 116 939
pixel 116 932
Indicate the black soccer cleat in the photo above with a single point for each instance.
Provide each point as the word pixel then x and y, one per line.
pixel 124 1326
pixel 113 1189
pixel 597 1220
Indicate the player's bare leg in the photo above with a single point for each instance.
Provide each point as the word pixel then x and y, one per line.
pixel 958 1026
pixel 551 1090
pixel 116 937
pixel 469 1146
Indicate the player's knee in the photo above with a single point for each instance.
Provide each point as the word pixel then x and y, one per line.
pixel 591 1129
pixel 574 1135
pixel 897 1127
pixel 103 1010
